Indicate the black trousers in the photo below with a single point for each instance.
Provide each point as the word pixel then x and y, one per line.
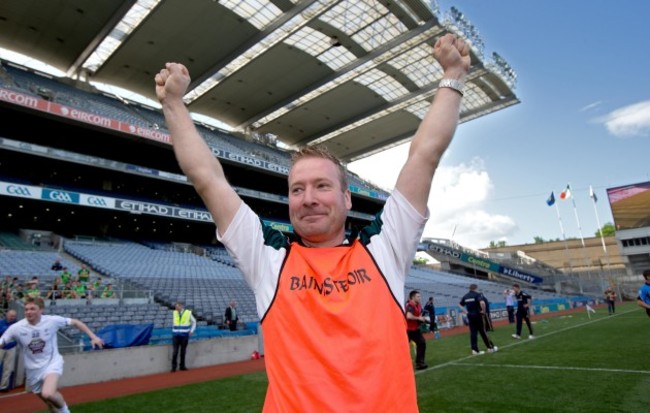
pixel 611 306
pixel 420 345
pixel 523 316
pixel 477 327
pixel 179 342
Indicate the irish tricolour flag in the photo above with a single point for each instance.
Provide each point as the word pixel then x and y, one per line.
pixel 566 194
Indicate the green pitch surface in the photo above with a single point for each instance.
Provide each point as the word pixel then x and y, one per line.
pixel 575 364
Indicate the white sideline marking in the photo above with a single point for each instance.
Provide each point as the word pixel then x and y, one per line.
pixel 6 396
pixel 517 366
pixel 523 341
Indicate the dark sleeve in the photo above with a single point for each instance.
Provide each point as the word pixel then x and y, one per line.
pixel 410 309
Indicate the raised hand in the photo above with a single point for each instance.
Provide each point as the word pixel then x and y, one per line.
pixel 172 82
pixel 452 53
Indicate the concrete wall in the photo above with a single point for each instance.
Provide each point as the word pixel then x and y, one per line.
pixel 99 366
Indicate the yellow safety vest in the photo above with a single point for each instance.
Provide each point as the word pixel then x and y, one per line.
pixel 182 323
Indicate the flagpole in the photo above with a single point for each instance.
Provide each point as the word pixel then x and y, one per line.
pixel 582 239
pixel 566 245
pixel 594 199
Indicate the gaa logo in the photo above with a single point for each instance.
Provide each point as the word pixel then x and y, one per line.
pixel 18 190
pixel 59 196
pixel 93 200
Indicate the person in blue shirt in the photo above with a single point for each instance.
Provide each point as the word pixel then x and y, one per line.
pixel 8 352
pixel 643 300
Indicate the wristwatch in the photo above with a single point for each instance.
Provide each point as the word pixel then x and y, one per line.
pixel 457 85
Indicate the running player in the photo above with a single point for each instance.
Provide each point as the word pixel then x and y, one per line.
pixel 36 334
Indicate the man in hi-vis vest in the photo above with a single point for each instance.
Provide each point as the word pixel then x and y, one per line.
pixel 316 287
pixel 184 326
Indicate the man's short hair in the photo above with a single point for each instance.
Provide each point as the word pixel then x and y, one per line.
pixel 35 300
pixel 515 285
pixel 412 294
pixel 320 151
pixel 646 274
pixel 473 287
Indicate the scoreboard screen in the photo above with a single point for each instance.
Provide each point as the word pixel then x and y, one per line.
pixel 630 205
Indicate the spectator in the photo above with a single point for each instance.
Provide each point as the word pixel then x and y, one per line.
pixel 524 301
pixel 79 289
pixel 17 293
pixel 32 289
pixel 57 265
pixel 6 292
pixel 37 336
pixel 68 290
pixel 643 299
pixel 83 275
pixel 8 283
pixel 97 286
pixel 182 330
pixel 66 276
pixel 8 352
pixel 473 306
pixel 430 310
pixel 56 290
pixel 610 299
pixel 231 317
pixel 314 288
pixel 414 319
pixel 108 291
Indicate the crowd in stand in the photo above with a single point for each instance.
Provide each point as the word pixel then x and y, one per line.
pixel 66 285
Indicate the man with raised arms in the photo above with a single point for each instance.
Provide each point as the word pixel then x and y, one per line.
pixel 328 352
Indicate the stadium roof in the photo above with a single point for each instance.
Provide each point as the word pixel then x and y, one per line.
pixel 356 75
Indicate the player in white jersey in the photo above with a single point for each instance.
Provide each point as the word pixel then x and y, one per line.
pixel 36 334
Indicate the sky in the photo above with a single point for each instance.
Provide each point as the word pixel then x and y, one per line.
pixel 583 72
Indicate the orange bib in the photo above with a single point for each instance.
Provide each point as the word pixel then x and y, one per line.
pixel 335 337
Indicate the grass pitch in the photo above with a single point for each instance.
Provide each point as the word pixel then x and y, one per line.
pixel 575 364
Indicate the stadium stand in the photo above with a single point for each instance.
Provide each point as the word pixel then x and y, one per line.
pixel 159 256
pixel 154 267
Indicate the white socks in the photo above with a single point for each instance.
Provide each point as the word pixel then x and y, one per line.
pixel 64 409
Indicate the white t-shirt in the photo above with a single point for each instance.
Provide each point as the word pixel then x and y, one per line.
pixel 39 342
pixel 260 256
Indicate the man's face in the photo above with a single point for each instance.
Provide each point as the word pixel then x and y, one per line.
pixel 33 313
pixel 11 316
pixel 417 298
pixel 318 205
pixel 179 307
